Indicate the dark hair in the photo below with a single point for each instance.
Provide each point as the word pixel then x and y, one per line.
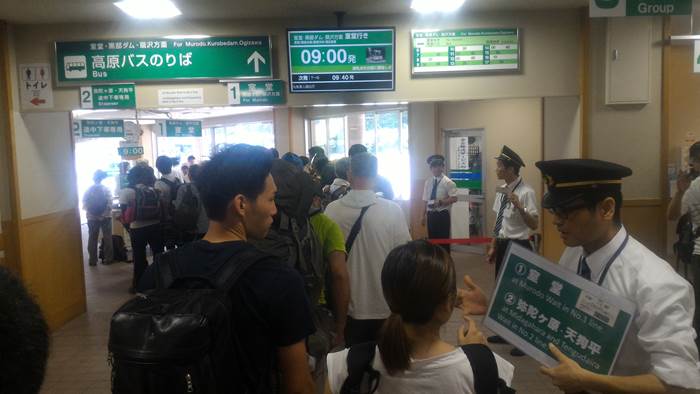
pixel 363 165
pixel 357 148
pixel 238 169
pixel 591 201
pixel 437 163
pixel 164 164
pixel 304 160
pixel 293 158
pixel 190 157
pixel 25 338
pixel 141 174
pixel 195 169
pixel 316 150
pixel 275 153
pixel 320 162
pixel 341 168
pixel 417 278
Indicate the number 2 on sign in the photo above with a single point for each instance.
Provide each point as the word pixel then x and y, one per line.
pixel 86 97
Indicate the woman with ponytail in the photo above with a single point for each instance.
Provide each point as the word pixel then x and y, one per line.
pixel 419 285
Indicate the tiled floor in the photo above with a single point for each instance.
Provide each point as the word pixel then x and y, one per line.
pixel 78 360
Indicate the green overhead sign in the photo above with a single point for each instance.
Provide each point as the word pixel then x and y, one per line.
pixel 256 93
pixel 464 51
pixel 158 59
pixel 121 96
pixel 99 128
pixel 181 128
pixel 341 60
pixel 537 302
pixel 613 8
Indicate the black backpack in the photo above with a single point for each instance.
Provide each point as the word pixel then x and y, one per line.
pixel 147 203
pixel 118 248
pixel 292 239
pixel 177 338
pixel 363 379
pixel 685 244
pixel 186 215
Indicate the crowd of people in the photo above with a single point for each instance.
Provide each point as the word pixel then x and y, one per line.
pixel 326 289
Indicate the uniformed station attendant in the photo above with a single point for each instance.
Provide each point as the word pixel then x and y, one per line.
pixel 515 207
pixel 585 198
pixel 439 193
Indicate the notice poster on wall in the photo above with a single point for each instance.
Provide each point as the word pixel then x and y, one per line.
pixel 463 51
pixel 537 302
pixel 342 60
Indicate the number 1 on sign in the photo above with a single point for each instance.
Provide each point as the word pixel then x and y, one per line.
pixel 234 93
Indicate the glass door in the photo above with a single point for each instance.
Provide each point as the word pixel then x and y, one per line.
pixel 464 166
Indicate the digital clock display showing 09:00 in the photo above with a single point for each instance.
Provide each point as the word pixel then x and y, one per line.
pixel 341 60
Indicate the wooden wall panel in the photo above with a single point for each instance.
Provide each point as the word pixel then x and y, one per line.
pixel 645 220
pixel 52 265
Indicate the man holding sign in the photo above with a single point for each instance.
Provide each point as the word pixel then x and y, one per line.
pixel 659 350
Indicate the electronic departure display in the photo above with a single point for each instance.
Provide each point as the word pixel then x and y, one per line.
pixel 341 60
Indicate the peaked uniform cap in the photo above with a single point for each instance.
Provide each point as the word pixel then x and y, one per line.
pixel 509 155
pixel 571 179
pixel 435 158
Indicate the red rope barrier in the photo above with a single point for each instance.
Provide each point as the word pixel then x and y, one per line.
pixel 461 241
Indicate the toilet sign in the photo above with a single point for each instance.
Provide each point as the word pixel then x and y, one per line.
pixel 35 86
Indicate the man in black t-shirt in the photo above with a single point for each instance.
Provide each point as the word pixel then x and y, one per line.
pixel 272 314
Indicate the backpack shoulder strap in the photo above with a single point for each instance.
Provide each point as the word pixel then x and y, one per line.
pixel 359 362
pixel 484 367
pixel 355 230
pixel 230 271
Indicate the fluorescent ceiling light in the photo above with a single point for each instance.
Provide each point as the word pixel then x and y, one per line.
pixel 430 6
pixel 149 9
pixel 186 36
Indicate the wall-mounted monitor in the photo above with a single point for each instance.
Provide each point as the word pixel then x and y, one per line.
pixel 464 51
pixel 341 60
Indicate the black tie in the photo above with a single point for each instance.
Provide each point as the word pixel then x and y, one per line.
pixel 433 194
pixel 499 218
pixel 585 269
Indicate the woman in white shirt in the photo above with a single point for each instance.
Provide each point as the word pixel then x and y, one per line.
pixel 419 284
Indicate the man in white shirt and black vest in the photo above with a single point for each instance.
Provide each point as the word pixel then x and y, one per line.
pixel 516 214
pixel 439 193
pixel 658 354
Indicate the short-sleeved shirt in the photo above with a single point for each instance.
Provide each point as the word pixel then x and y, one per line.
pixel 270 305
pixel 514 226
pixel 445 188
pixel 447 373
pixel 329 234
pixel 383 228
pixel 691 204
pixel 661 339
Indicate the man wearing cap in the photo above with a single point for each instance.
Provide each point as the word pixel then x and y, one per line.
pixel 516 214
pixel 659 351
pixel 439 193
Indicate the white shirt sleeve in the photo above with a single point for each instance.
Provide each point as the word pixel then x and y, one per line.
pixel 126 196
pixel 506 370
pixel 497 203
pixel 337 369
pixel 685 202
pixel 530 203
pixel 451 188
pixel 427 189
pixel 401 235
pixel 666 330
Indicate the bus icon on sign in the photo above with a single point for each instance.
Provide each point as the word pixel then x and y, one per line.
pixel 75 67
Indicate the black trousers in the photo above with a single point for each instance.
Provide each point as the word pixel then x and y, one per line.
pixel 361 331
pixel 439 226
pixel 502 246
pixel 140 237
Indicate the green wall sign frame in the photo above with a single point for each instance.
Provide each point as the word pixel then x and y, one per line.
pixel 160 59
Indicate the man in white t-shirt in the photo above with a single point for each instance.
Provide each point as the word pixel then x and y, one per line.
pixel 382 228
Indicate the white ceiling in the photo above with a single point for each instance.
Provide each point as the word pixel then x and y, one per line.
pixel 62 11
